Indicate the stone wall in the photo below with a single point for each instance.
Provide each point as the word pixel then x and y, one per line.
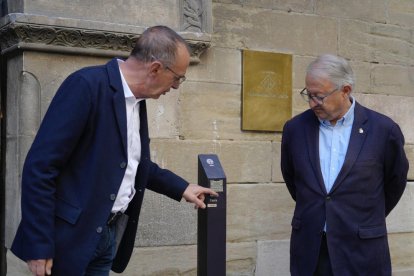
pixel 204 115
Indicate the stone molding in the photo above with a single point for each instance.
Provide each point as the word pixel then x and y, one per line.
pixel 26 35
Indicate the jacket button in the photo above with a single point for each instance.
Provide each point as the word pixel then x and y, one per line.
pixel 112 197
pixel 328 198
pixel 99 229
pixel 123 165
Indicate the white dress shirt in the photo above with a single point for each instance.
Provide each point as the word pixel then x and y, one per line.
pixel 127 191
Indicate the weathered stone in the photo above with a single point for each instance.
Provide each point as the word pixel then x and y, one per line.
pixel 392 80
pixel 213 111
pixel 182 260
pixel 401 249
pixel 401 12
pixel 211 69
pixel 109 11
pixel 288 6
pixel 163 116
pixel 401 219
pixel 258 212
pixel 273 258
pixel 388 105
pixel 242 161
pixel 409 151
pixel 377 43
pixel 276 171
pixel 238 27
pixel 164 221
pixel 369 10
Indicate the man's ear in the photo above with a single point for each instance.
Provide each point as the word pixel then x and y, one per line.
pixel 347 89
pixel 155 67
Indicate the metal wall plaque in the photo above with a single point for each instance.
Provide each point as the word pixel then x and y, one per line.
pixel 267 90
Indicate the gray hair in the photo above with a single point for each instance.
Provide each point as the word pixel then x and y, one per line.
pixel 160 43
pixel 335 68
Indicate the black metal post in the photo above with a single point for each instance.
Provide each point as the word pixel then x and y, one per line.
pixel 211 248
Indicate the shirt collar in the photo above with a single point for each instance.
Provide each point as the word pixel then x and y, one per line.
pixel 127 91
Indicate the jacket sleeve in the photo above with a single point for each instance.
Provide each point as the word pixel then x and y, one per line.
pixel 396 169
pixel 286 163
pixel 166 182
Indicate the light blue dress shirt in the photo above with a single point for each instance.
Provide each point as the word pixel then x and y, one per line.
pixel 333 144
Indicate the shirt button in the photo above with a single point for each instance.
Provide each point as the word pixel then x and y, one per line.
pixel 123 165
pixel 99 229
pixel 112 197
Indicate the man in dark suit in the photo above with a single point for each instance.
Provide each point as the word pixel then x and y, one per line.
pixel 345 167
pixel 89 164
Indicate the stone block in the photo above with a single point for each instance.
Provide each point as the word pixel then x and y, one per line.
pixel 387 79
pixel 300 63
pixel 241 258
pixel 128 12
pixel 212 111
pixel 388 105
pixel 362 73
pixel 258 212
pixel 164 221
pixel 369 10
pixel 242 161
pixel 288 6
pixel 401 218
pixel 273 258
pixel 182 260
pixel 376 43
pixel 165 260
pixel 276 171
pixel 401 12
pixel 260 29
pixel 409 151
pixel 219 65
pixel 163 115
pixel 402 251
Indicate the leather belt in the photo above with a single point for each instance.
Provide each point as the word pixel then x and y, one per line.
pixel 113 218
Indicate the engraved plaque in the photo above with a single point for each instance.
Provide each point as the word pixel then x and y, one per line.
pixel 267 90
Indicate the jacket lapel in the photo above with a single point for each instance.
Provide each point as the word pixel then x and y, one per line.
pixel 118 100
pixel 312 138
pixel 359 132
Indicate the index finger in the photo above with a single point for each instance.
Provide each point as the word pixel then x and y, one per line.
pixel 211 192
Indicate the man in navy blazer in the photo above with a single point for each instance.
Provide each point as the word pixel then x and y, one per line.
pixel 345 167
pixel 89 164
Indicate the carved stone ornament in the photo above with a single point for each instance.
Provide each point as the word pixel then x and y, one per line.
pixel 46 38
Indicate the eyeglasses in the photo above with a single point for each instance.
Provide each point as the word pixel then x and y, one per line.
pixel 317 99
pixel 178 78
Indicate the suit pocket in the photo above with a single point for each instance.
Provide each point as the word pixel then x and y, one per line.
pixel 67 211
pixel 372 232
pixel 295 223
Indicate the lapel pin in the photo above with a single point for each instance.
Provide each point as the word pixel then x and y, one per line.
pixel 361 130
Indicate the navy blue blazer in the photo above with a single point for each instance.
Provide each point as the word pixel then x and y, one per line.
pixel 74 169
pixel 368 187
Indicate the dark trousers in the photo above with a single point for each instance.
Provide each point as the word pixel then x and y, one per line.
pixel 324 267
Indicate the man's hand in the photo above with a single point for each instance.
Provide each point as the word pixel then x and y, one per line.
pixel 196 194
pixel 40 267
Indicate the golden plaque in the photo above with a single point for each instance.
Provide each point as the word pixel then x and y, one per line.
pixel 267 90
